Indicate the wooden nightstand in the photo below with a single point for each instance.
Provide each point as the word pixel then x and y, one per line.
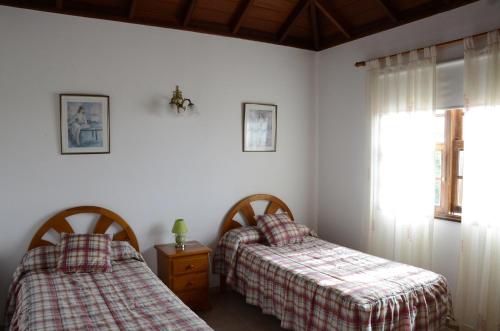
pixel 185 272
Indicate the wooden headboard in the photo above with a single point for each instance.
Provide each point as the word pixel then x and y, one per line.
pixel 59 223
pixel 244 207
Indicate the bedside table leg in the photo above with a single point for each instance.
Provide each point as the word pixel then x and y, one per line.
pixel 222 283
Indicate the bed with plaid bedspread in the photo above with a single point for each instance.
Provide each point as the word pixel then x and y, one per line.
pixel 317 285
pixel 130 297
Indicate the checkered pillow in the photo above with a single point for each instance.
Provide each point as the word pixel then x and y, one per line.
pixel 305 231
pixel 39 258
pixel 279 229
pixel 84 253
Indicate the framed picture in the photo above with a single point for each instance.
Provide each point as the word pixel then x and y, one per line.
pixel 259 127
pixel 84 124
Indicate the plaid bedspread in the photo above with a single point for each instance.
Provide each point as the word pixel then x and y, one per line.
pixel 130 297
pixel 318 285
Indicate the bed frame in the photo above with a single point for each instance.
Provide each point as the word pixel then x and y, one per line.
pixel 244 207
pixel 59 223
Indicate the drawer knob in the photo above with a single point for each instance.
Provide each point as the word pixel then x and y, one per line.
pixel 189 267
pixel 189 284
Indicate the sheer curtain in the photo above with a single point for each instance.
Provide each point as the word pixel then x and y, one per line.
pixel 478 299
pixel 402 98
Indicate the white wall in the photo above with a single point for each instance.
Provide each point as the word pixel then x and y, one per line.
pixel 344 125
pixel 161 166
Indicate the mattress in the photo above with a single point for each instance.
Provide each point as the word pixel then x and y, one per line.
pixel 130 297
pixel 317 285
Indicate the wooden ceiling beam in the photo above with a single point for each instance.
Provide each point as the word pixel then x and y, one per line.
pixel 314 24
pixel 334 19
pixel 131 9
pixel 283 33
pixel 389 9
pixel 407 16
pixel 189 12
pixel 240 15
pixel 291 19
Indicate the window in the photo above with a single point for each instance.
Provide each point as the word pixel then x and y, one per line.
pixel 449 164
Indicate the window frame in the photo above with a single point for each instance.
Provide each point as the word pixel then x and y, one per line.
pixel 449 209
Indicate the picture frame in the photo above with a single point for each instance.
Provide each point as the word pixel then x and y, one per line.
pixel 85 124
pixel 260 122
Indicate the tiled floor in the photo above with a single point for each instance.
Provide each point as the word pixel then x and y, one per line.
pixel 230 313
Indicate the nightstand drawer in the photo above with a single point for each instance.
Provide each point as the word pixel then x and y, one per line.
pixel 190 264
pixel 190 282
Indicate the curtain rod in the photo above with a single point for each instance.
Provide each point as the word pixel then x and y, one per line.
pixel 444 44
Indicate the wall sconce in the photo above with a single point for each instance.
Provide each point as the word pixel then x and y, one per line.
pixel 179 102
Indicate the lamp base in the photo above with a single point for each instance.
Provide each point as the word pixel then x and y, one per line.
pixel 180 240
pixel 180 246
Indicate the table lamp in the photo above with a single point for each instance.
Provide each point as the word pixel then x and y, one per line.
pixel 180 229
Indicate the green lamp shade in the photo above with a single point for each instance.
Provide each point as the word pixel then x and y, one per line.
pixel 179 227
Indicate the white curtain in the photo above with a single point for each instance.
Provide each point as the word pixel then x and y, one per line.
pixel 478 299
pixel 402 99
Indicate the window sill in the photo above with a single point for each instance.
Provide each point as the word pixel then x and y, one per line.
pixel 451 218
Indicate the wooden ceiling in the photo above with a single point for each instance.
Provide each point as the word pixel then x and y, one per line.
pixel 308 24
